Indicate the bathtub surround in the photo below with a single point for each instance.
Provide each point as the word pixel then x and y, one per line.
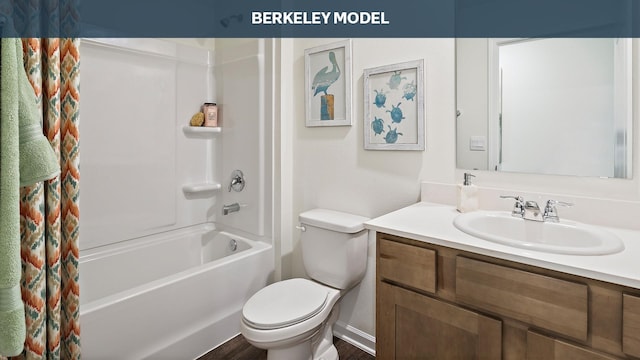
pixel 150 226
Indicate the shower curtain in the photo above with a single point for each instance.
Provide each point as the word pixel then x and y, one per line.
pixel 49 211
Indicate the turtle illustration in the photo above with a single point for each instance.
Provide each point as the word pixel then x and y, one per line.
pixel 395 79
pixel 392 135
pixel 409 90
pixel 377 125
pixel 380 99
pixel 396 113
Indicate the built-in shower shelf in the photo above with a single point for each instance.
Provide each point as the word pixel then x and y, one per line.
pixel 200 188
pixel 201 131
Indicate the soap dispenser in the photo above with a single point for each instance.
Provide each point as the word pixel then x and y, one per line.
pixel 467 199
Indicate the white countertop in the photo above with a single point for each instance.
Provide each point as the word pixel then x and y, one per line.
pixel 433 223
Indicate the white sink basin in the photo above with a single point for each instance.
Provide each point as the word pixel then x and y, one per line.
pixel 565 237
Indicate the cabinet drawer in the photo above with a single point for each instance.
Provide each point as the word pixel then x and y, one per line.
pixel 631 325
pixel 406 264
pixel 540 347
pixel 553 304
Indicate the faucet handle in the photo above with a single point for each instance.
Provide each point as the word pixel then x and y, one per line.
pixel 237 181
pixel 550 212
pixel 518 207
pixel 556 202
pixel 518 198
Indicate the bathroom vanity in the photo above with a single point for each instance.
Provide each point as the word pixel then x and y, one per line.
pixel 443 294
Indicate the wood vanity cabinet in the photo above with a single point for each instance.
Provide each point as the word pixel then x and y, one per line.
pixel 435 302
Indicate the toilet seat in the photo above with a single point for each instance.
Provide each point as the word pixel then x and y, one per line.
pixel 285 303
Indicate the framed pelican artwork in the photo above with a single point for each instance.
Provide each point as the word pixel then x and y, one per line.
pixel 394 107
pixel 328 84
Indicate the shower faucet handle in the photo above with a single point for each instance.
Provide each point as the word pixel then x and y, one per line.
pixel 237 181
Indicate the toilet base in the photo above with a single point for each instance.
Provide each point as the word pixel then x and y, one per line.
pixel 323 343
pixel 330 353
pixel 300 351
pixel 315 345
pixel 308 340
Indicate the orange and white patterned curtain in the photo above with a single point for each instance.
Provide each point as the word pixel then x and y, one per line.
pixel 49 212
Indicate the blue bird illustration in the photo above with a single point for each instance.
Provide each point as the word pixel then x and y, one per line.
pixel 324 78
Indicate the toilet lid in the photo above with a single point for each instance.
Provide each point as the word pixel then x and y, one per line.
pixel 284 303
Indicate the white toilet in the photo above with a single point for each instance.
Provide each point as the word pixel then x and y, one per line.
pixel 293 319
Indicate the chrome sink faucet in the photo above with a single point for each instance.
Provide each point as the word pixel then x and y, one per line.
pixel 530 210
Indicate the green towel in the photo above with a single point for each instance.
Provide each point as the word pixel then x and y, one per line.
pixel 23 148
pixel 12 312
pixel 38 162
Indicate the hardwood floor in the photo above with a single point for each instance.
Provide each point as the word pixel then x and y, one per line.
pixel 239 349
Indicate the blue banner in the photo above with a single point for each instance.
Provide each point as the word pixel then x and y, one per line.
pixel 321 18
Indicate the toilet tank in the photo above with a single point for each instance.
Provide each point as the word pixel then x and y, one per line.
pixel 334 247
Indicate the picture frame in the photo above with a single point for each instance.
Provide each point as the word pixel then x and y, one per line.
pixel 328 84
pixel 394 107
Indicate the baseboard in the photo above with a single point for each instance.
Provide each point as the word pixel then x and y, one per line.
pixel 355 337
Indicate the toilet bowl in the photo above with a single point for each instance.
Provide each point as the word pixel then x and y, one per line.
pixel 296 312
pixel 293 319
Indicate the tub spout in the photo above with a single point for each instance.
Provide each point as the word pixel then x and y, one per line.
pixel 227 209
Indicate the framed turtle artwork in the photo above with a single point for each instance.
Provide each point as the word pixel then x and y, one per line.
pixel 394 107
pixel 328 84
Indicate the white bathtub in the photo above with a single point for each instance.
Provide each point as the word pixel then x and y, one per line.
pixel 170 296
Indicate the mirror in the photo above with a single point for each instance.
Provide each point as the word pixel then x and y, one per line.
pixel 557 106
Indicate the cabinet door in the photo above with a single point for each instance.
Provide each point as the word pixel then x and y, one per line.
pixel 631 325
pixel 540 347
pixel 415 326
